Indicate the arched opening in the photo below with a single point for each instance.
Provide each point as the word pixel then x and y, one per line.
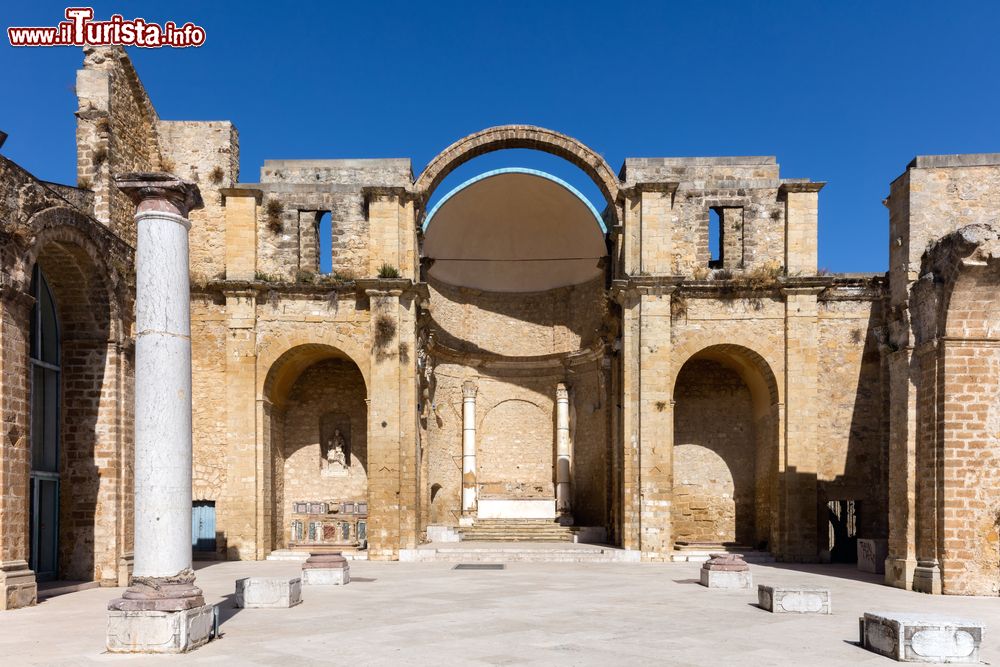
pixel 43 507
pixel 75 463
pixel 725 449
pixel 315 416
pixel 516 261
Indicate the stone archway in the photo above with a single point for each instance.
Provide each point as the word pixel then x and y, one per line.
pixel 82 265
pixel 725 451
pixel 314 415
pixel 504 137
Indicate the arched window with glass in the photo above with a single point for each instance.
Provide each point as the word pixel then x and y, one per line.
pixel 45 384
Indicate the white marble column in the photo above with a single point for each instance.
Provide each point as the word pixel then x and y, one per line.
pixel 469 488
pixel 564 456
pixel 162 577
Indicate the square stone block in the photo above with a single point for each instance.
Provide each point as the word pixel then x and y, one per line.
pixel 794 600
pixel 872 555
pixel 726 579
pixel 921 637
pixel 268 592
pixel 159 631
pixel 317 576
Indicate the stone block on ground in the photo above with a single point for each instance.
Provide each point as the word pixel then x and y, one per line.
pixel 159 631
pixel 916 637
pixel 872 554
pixel 794 599
pixel 268 592
pixel 330 569
pixel 725 570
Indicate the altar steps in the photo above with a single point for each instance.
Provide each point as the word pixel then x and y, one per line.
pixel 524 552
pixel 699 552
pixel 516 530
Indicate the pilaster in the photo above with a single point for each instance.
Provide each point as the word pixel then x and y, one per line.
pixel 798 466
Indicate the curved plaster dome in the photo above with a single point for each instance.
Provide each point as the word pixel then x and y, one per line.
pixel 514 230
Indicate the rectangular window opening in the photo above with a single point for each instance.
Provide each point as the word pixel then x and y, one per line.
pixel 325 228
pixel 715 239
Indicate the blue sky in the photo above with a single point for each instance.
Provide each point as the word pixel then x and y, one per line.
pixel 844 92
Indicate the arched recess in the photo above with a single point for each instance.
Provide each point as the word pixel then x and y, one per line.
pixel 726 446
pixel 504 137
pixel 314 416
pixel 81 264
pixel 515 456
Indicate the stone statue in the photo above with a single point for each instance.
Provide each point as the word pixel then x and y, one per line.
pixel 336 452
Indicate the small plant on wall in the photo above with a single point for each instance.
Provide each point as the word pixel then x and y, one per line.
pixel 216 175
pixel 273 210
pixel 388 271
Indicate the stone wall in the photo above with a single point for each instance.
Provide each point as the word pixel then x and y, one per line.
pixel 206 153
pixel 116 133
pixel 208 381
pixel 525 324
pixel 745 188
pixel 286 237
pixel 714 456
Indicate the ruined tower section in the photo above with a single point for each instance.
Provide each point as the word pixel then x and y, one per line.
pixel 115 133
pixel 305 340
pixel 943 347
pixel 727 322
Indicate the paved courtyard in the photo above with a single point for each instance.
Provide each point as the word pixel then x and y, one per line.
pixel 530 613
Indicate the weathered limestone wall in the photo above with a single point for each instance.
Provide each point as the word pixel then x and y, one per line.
pixel 521 325
pixel 943 220
pixel 116 133
pixel 301 191
pixel 675 225
pixel 714 456
pixel 208 366
pixel 206 153
pixel 851 404
pixel 86 267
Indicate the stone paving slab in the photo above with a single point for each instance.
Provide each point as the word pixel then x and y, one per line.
pixel 529 613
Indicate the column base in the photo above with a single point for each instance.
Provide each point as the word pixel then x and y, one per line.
pixel 17 585
pixel 176 593
pixel 927 577
pixel 160 631
pixel 899 572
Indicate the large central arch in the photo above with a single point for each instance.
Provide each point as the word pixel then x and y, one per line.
pixel 504 137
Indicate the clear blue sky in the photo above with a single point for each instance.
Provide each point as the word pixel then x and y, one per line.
pixel 844 92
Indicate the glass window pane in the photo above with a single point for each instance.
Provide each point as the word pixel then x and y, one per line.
pixel 50 335
pixel 51 443
pixel 37 417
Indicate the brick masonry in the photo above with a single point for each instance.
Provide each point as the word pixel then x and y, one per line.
pixel 704 405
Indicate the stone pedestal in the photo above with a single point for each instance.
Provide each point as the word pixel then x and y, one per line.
pixel 921 637
pixel 326 570
pixel 872 554
pixel 17 585
pixel 726 571
pixel 794 600
pixel 162 611
pixel 160 631
pixel 268 592
pixel 927 577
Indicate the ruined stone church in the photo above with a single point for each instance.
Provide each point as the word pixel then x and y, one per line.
pixel 509 363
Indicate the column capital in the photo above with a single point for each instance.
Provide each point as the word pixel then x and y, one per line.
pixel 160 191
pixel 562 391
pixel 469 389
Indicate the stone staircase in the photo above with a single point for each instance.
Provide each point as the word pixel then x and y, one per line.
pixel 698 552
pixel 516 530
pixel 523 552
